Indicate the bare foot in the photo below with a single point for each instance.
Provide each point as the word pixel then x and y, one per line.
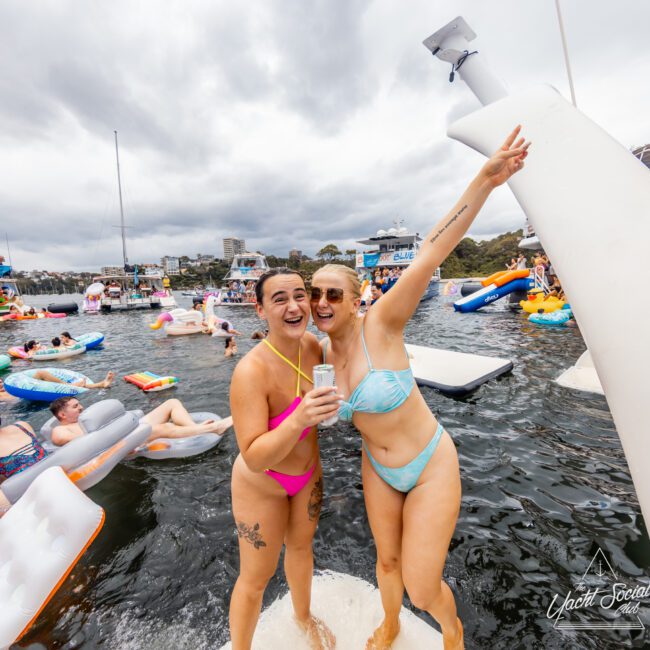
pixel 217 426
pixel 383 636
pixel 455 641
pixel 319 635
pixel 108 380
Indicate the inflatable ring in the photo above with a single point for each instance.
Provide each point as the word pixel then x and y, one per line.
pixel 5 361
pixel 63 308
pixel 557 318
pixel 62 352
pixel 164 448
pixel 24 385
pixel 91 339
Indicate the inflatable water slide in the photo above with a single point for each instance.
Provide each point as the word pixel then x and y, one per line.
pixel 495 286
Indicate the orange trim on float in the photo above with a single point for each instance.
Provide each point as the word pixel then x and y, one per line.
pixel 83 470
pixel 64 576
pixel 158 446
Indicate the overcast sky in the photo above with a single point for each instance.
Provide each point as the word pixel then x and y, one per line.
pixel 286 122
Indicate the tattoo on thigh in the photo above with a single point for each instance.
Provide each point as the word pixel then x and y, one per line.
pixel 250 534
pixel 315 500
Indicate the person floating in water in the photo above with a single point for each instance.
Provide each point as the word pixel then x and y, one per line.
pixel 169 420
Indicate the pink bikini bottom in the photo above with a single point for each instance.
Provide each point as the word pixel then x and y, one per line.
pixel 291 484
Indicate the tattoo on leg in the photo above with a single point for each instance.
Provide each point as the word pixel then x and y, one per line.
pixel 315 500
pixel 448 224
pixel 250 534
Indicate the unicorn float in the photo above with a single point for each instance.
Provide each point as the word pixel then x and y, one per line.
pixel 93 298
pixel 179 322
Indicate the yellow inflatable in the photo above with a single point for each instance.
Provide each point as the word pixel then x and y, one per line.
pixel 538 303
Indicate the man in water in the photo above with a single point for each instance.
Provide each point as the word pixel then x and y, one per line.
pixel 169 420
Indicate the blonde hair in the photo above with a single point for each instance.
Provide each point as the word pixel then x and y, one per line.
pixel 346 271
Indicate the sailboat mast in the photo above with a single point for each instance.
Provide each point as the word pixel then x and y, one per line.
pixel 8 251
pixel 119 188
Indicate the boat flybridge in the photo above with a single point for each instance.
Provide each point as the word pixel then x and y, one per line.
pixel 393 248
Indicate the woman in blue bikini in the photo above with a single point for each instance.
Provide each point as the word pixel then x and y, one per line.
pixel 410 471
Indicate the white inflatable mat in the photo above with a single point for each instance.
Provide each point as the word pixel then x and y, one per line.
pixel 582 376
pixel 454 373
pixel 351 608
pixel 41 539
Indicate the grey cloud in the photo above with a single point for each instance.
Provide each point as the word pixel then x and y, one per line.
pixel 323 73
pixel 174 79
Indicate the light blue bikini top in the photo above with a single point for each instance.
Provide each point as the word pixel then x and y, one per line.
pixel 380 391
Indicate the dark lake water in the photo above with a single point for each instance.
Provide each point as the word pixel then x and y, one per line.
pixel 545 485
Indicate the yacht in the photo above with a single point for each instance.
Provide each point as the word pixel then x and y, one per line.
pixel 239 283
pixel 132 290
pixel 393 248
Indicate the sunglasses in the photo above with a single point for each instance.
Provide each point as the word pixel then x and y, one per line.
pixel 333 295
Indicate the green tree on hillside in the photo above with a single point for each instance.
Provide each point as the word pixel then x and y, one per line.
pixel 329 252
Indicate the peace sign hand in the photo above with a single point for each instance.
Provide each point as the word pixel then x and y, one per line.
pixel 508 160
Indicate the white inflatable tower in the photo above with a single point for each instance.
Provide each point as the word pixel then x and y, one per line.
pixel 588 199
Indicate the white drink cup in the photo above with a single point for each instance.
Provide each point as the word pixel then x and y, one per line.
pixel 324 376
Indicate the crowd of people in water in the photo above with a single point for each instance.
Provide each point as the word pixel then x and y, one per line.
pixel 409 464
pixel 239 292
pixel 540 262
pixel 64 340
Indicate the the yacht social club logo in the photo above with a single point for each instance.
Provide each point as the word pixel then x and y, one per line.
pixel 599 588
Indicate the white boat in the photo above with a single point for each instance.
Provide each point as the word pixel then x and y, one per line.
pixel 11 292
pixel 239 283
pixel 393 248
pixel 132 290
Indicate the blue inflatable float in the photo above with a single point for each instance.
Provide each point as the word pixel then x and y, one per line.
pixel 26 386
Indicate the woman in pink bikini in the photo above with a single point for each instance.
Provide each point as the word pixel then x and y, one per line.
pixel 277 484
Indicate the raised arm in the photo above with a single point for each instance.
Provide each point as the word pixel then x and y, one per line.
pixel 397 306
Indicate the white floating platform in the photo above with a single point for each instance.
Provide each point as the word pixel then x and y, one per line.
pixel 41 538
pixel 351 608
pixel 582 376
pixel 454 373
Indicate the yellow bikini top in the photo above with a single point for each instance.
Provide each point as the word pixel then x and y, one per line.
pixel 293 365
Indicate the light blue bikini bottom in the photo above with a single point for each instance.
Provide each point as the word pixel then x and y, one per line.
pixel 404 478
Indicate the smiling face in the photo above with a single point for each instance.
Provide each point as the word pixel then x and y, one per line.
pixel 284 305
pixel 333 315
